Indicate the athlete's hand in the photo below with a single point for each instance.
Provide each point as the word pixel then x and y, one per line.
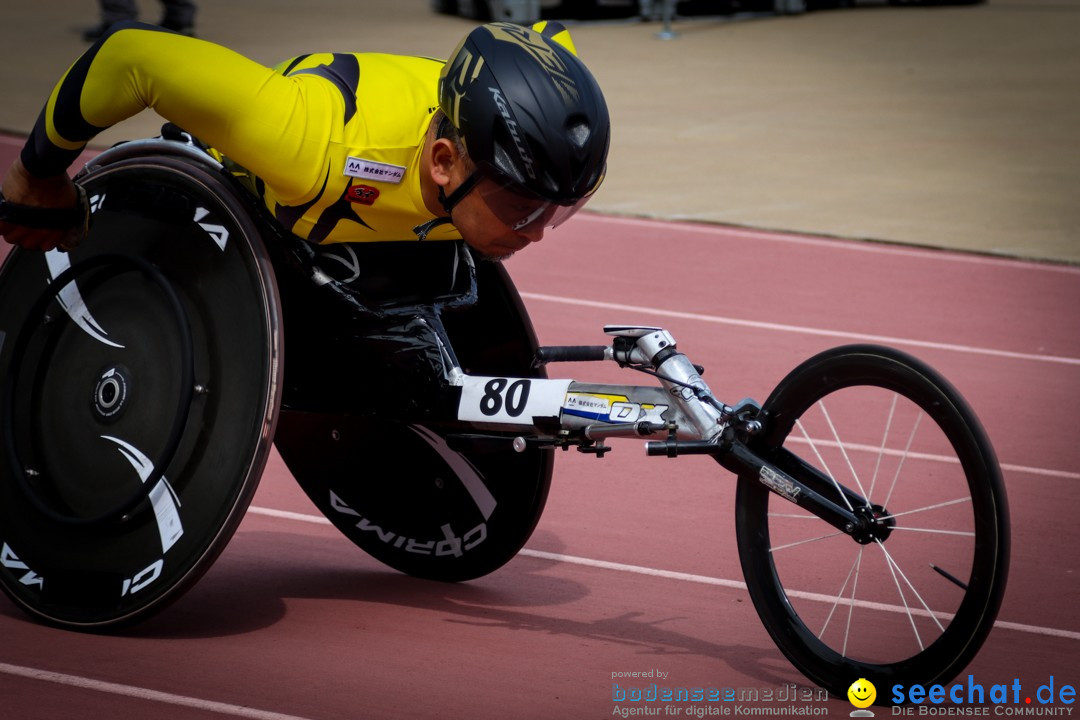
pixel 20 188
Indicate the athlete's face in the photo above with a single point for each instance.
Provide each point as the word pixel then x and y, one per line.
pixel 479 216
pixel 494 223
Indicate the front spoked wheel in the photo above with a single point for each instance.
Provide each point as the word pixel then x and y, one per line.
pixel 912 595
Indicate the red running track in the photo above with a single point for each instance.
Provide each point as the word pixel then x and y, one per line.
pixel 624 573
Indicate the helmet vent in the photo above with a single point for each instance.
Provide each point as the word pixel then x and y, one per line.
pixel 505 164
pixel 577 131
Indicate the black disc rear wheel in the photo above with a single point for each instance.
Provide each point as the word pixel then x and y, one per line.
pixel 425 498
pixel 141 379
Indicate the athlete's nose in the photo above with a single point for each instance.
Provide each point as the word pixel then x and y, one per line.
pixel 532 233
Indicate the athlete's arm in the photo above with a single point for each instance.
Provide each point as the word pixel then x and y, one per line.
pixel 271 124
pixel 277 127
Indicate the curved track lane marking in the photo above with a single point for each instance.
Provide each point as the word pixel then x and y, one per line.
pixel 1023 469
pixel 721 231
pixel 862 337
pixel 142 693
pixel 687 577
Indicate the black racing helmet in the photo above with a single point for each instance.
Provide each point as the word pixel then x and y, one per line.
pixel 530 114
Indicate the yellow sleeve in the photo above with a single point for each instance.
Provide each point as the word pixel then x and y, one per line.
pixel 275 126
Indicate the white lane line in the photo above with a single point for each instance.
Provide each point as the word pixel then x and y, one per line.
pixel 1028 470
pixel 683 577
pixel 861 337
pixel 739 585
pixel 947 459
pixel 793 237
pixel 142 693
pixel 288 515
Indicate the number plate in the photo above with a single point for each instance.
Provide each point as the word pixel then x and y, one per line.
pixel 514 401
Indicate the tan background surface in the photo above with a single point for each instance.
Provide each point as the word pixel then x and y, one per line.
pixel 951 126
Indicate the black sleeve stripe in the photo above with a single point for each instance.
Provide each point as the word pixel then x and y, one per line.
pixel 344 72
pixel 67 115
pixel 289 215
pixel 296 61
pixel 39 155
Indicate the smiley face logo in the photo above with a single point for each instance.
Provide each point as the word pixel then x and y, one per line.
pixel 862 693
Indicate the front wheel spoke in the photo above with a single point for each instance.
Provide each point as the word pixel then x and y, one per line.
pixel 904 456
pixel 851 607
pixel 915 592
pixel 803 542
pixel 824 465
pixel 843 452
pixel 836 600
pixel 884 443
pixel 903 599
pixel 962 533
pixel 936 506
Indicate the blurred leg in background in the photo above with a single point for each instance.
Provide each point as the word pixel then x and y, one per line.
pixel 177 15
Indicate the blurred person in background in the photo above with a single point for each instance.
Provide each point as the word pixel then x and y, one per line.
pixel 179 16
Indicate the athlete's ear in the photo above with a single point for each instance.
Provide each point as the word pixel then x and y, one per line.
pixel 445 158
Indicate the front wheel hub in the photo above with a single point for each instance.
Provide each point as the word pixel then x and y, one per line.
pixel 875 524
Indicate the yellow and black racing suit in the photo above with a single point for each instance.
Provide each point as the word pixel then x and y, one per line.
pixel 332 141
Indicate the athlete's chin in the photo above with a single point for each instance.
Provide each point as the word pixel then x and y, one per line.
pixel 497 256
pixel 496 253
pixel 490 249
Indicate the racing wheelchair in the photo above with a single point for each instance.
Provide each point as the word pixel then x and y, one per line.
pixel 147 373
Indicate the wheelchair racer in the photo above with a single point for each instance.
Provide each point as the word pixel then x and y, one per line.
pixel 506 138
